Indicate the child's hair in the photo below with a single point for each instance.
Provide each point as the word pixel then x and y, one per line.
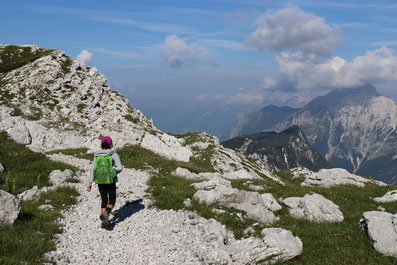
pixel 106 142
pixel 105 145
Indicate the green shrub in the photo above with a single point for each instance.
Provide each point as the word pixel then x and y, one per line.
pixel 13 57
pixel 16 112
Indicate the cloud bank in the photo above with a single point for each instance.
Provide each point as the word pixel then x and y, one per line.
pixel 309 72
pixel 302 43
pixel 84 57
pixel 293 29
pixel 177 52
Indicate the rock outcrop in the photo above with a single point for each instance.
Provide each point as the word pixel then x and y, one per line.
pixel 332 177
pixel 381 228
pixel 390 196
pixel 277 244
pixel 31 194
pixel 219 191
pixel 314 208
pixel 9 208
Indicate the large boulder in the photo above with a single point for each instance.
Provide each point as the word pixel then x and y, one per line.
pixel 31 194
pixel 9 208
pixel 314 208
pixel 381 228
pixel 332 177
pixel 276 245
pixel 58 177
pixel 390 196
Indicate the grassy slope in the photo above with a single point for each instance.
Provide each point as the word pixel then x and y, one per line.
pixel 33 233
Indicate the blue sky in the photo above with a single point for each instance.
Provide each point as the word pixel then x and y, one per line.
pixel 196 55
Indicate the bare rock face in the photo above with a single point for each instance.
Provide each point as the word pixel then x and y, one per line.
pixel 390 196
pixel 9 208
pixel 381 228
pixel 276 245
pixel 314 208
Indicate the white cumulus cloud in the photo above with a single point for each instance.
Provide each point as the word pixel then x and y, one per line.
pixel 178 52
pixel 84 57
pixel 293 29
pixel 308 72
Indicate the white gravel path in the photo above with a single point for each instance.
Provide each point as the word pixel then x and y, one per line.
pixel 138 235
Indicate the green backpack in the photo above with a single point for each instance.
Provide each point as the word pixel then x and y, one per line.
pixel 103 170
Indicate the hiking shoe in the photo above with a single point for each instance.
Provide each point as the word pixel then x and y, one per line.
pixel 104 216
pixel 105 220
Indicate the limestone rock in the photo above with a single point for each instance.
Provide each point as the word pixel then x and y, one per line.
pixel 334 176
pixel 270 202
pixel 239 174
pixel 284 241
pixel 213 183
pixel 381 228
pixel 9 208
pixel 31 194
pixel 58 177
pixel 298 172
pixel 277 245
pixel 257 212
pixel 314 208
pixel 45 207
pixel 390 196
pixel 185 173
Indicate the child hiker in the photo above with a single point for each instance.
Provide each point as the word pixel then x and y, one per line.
pixel 104 171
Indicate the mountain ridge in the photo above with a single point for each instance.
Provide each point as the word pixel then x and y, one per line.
pixel 351 128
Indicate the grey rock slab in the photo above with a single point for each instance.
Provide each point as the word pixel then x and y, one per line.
pixel 276 245
pixel 212 184
pixel 270 202
pixel 185 173
pixel 332 177
pixel 220 195
pixel 381 228
pixel 390 196
pixel 58 177
pixel 31 194
pixel 314 208
pixel 10 207
pixel 284 241
pixel 256 212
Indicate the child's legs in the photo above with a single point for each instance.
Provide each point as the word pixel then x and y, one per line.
pixel 103 191
pixel 112 195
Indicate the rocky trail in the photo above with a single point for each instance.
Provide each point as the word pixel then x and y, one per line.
pixel 137 234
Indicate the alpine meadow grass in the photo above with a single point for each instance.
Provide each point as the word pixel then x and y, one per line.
pixel 33 233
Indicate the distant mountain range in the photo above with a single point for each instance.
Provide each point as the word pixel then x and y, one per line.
pixel 352 128
pixel 284 150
